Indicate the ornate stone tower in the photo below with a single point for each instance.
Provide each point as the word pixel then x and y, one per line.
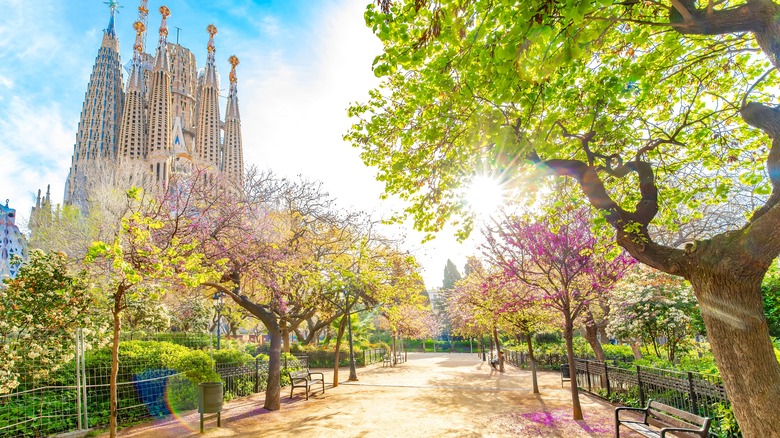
pixel 96 139
pixel 133 130
pixel 160 106
pixel 233 158
pixel 208 141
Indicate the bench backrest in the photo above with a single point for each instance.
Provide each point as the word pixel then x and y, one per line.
pixel 301 374
pixel 676 417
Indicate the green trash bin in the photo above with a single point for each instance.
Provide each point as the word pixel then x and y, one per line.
pixel 210 401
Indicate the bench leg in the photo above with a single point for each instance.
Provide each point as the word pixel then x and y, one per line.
pixel 323 386
pixel 201 422
pixel 307 392
pixel 219 419
pixel 291 389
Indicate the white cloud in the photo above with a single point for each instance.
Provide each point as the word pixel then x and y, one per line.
pixel 267 25
pixel 294 116
pixel 31 139
pixel 6 82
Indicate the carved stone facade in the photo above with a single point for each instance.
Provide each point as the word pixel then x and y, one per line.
pixel 166 120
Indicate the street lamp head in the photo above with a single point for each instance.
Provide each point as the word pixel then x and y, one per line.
pixel 219 300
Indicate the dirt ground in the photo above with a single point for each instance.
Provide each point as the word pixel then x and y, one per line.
pixel 431 395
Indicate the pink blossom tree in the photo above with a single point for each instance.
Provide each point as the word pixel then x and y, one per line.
pixel 560 261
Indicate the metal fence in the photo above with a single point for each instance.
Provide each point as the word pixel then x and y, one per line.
pixel 325 359
pixel 75 396
pixel 700 394
pixel 242 379
pixel 693 392
pixel 521 359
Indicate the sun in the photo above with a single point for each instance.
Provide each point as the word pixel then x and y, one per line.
pixel 484 196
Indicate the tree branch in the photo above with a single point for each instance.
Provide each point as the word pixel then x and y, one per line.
pixel 754 16
pixel 766 119
pixel 638 244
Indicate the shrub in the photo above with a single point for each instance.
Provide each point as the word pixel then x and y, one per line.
pixel 232 357
pixel 548 338
pixel 618 352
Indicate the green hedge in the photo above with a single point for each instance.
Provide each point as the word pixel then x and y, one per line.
pixel 141 360
pixel 144 367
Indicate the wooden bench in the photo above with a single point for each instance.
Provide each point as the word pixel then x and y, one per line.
pixel 303 379
pixel 565 374
pixel 387 361
pixel 678 421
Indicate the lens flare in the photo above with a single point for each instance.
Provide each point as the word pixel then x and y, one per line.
pixel 485 196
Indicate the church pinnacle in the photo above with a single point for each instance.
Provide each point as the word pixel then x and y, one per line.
pixel 159 140
pixel 132 131
pixel 113 5
pixel 233 163
pixel 207 146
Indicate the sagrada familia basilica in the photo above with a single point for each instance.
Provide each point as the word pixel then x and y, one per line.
pixel 164 120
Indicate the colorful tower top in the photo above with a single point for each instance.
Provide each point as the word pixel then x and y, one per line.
pixel 233 60
pixel 113 5
pixel 161 60
pixel 212 30
pixel 232 103
pixel 211 69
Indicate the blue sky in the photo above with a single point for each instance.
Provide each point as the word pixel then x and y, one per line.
pixel 302 63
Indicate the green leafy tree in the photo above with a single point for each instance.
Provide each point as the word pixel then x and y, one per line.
pixel 451 275
pixel 647 105
pixel 133 261
pixel 146 313
pixel 40 311
pixel 650 305
pixel 771 290
pixel 191 313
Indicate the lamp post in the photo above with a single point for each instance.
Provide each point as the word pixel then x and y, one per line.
pixel 219 302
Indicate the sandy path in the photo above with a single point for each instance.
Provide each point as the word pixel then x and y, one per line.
pixel 431 395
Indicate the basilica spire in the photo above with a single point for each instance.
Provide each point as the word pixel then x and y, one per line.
pixel 101 112
pixel 233 162
pixel 109 35
pixel 132 132
pixel 159 141
pixel 207 144
pixel 113 5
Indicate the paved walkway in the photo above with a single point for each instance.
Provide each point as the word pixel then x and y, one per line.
pixel 431 395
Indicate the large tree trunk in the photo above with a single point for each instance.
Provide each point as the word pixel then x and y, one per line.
pixel 336 352
pixel 533 362
pixel 568 332
pixel 273 401
pixel 591 335
pixel 732 309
